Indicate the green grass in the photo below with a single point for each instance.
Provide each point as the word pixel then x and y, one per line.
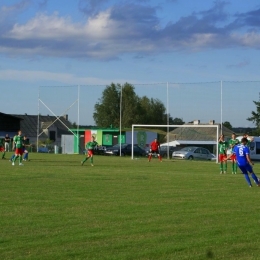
pixel 54 208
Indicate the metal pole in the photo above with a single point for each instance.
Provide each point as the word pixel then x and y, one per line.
pixel 132 152
pixel 217 155
pixel 221 109
pixel 167 109
pixel 38 124
pixel 78 120
pixel 120 130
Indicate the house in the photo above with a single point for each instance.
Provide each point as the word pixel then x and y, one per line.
pixel 45 127
pixel 9 124
pixel 198 136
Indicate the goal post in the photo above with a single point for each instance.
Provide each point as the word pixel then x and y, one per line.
pixel 135 126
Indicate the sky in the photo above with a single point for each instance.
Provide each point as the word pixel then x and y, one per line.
pixel 94 43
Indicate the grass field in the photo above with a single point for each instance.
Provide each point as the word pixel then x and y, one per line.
pixel 54 208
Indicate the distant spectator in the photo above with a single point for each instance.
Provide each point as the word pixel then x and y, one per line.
pixel 7 143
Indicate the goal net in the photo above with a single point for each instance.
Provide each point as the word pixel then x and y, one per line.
pixel 179 136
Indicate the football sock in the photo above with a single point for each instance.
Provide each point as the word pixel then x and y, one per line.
pixel 225 167
pixel 12 157
pixel 15 157
pixel 86 158
pixel 91 160
pixel 221 166
pixel 235 167
pixel 160 158
pixel 25 156
pixel 254 178
pixel 3 155
pixel 248 179
pixel 20 159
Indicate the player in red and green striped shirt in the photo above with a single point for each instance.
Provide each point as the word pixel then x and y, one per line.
pixel 232 142
pixel 18 140
pixel 90 146
pixel 222 146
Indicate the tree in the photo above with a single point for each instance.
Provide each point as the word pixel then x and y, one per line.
pixel 227 125
pixel 135 110
pixel 130 106
pixel 177 121
pixel 106 110
pixel 255 118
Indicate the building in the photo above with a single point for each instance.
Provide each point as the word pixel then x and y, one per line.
pixel 198 136
pixel 49 127
pixel 110 136
pixel 9 124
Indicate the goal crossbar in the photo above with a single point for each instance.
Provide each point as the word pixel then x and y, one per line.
pixel 168 126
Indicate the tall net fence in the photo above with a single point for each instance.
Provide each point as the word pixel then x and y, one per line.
pixel 205 101
pixel 237 102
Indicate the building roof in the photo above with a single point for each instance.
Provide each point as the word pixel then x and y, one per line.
pixel 29 124
pixel 197 133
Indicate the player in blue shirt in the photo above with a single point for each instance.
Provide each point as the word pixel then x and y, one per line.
pixel 244 162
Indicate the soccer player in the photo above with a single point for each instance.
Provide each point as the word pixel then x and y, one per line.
pixel 244 162
pixel 222 146
pixel 18 140
pixel 90 146
pixel 154 148
pixel 7 142
pixel 249 139
pixel 25 151
pixel 232 142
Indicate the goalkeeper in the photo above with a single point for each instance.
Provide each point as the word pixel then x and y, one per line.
pixel 154 148
pixel 90 146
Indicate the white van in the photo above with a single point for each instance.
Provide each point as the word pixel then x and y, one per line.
pixel 254 147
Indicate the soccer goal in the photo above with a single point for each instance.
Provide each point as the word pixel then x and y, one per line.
pixel 202 135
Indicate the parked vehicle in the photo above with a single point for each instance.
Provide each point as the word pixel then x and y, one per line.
pixel 43 150
pixel 191 152
pixel 126 149
pixel 163 151
pixel 98 150
pixel 254 147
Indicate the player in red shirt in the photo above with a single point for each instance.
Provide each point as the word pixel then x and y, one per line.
pixel 155 146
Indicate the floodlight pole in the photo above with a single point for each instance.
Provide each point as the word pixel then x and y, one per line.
pixel 38 123
pixel 221 103
pixel 167 109
pixel 120 128
pixel 78 118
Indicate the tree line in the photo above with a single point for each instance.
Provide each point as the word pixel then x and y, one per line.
pixel 141 110
pixel 134 109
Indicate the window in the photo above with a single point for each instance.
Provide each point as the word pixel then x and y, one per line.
pixel 257 150
pixel 53 136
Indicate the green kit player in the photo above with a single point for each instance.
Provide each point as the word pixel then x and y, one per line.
pixel 18 140
pixel 222 146
pixel 90 146
pixel 249 140
pixel 232 142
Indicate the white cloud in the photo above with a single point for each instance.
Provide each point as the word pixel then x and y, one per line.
pixel 39 77
pixel 120 30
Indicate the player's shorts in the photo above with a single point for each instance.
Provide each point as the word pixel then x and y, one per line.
pixel 246 168
pixel 222 157
pixel 233 157
pixel 19 151
pixel 90 152
pixel 2 149
pixel 154 151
